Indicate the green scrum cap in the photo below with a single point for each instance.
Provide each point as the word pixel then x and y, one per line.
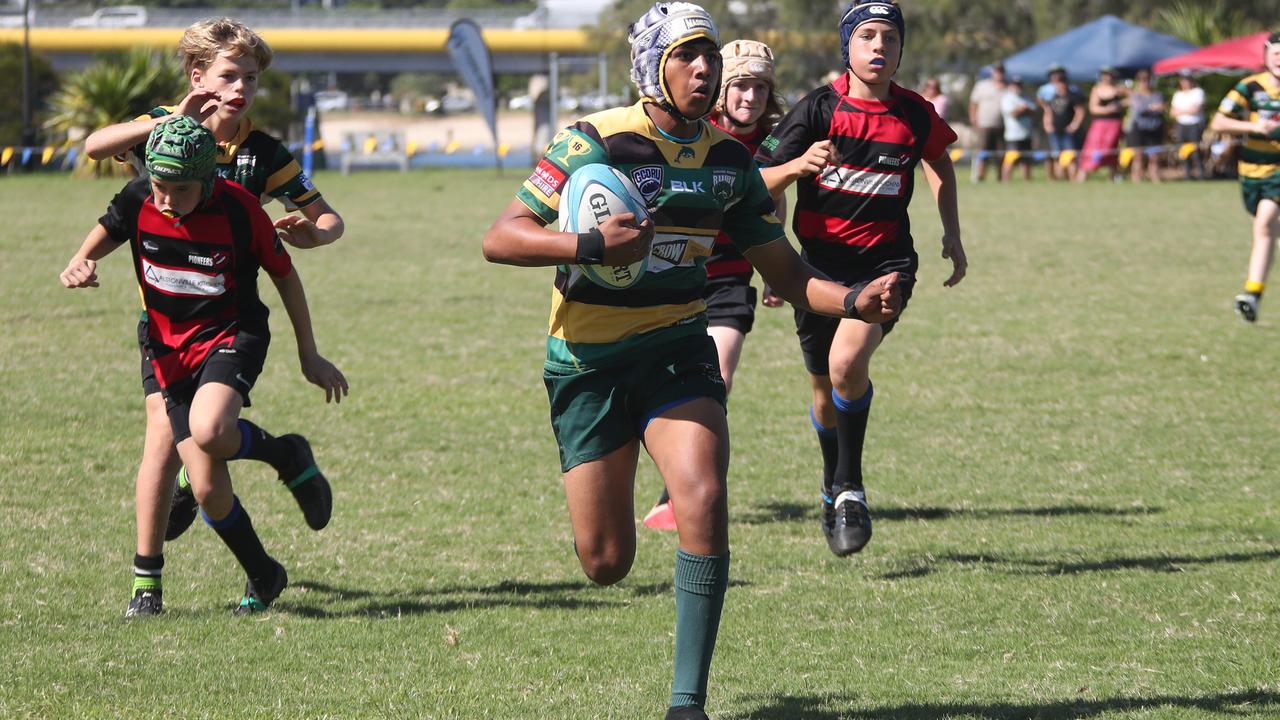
pixel 182 149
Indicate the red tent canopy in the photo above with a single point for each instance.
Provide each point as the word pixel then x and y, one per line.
pixel 1242 53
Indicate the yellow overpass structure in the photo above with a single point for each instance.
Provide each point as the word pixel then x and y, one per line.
pixel 327 49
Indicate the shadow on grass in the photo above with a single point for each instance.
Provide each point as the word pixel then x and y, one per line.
pixel 1013 566
pixel 792 511
pixel 320 598
pixel 1241 703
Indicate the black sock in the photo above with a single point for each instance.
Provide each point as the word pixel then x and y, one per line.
pixel 851 429
pixel 236 530
pixel 258 444
pixel 829 444
pixel 146 571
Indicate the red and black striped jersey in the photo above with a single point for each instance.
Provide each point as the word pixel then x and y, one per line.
pixel 199 275
pixel 858 204
pixel 727 260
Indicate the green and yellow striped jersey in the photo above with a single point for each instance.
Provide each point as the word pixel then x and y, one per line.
pixel 1254 98
pixel 693 189
pixel 254 159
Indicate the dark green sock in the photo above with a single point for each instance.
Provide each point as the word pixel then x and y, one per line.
pixel 700 584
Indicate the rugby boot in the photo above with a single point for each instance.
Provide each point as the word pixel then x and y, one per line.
pixel 852 529
pixel 307 483
pixel 145 602
pixel 827 516
pixel 688 712
pixel 661 517
pixel 1247 305
pixel 258 599
pixel 183 509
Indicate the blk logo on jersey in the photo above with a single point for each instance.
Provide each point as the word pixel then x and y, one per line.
pixel 648 180
pixel 688 186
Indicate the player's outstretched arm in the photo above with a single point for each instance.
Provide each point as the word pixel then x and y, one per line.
pixel 797 282
pixel 116 139
pixel 519 237
pixel 319 225
pixel 941 174
pixel 315 368
pixel 82 270
pixel 1231 126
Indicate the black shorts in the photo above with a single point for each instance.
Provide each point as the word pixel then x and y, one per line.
pixel 817 331
pixel 237 365
pixel 1145 138
pixel 150 386
pixel 989 139
pixel 1188 133
pixel 731 302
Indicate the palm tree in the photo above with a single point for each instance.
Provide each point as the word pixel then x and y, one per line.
pixel 1204 23
pixel 116 88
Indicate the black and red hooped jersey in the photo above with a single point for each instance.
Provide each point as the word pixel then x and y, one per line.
pixel 727 260
pixel 858 204
pixel 199 277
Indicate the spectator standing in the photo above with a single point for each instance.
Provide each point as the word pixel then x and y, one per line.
pixel 1146 130
pixel 1107 102
pixel 985 118
pixel 1063 107
pixel 932 91
pixel 1019 114
pixel 1187 109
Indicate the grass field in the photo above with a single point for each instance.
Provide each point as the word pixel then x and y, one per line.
pixel 1072 467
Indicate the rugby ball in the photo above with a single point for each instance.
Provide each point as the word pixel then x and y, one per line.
pixel 593 193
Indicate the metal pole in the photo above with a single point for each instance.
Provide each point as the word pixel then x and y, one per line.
pixel 28 132
pixel 553 80
pixel 603 65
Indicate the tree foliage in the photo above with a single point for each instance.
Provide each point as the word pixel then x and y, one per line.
pixel 44 82
pixel 958 36
pixel 118 87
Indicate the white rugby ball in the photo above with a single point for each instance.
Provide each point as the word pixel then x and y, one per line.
pixel 593 193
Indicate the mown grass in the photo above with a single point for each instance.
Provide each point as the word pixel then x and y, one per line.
pixel 1071 463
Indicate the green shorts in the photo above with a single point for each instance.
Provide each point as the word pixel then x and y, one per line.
pixel 598 410
pixel 1255 190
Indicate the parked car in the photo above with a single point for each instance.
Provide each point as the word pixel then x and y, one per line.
pixel 331 100
pixel 457 103
pixel 122 16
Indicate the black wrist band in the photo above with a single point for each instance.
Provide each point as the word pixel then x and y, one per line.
pixel 590 248
pixel 851 306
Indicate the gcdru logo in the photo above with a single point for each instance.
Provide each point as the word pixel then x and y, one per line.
pixel 648 181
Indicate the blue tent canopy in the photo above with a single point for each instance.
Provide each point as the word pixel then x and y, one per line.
pixel 1107 41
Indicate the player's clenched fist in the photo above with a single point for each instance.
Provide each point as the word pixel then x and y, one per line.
pixel 814 159
pixel 880 300
pixel 625 241
pixel 80 273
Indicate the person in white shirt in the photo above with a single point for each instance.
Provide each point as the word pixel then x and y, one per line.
pixel 1019 114
pixel 1187 109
